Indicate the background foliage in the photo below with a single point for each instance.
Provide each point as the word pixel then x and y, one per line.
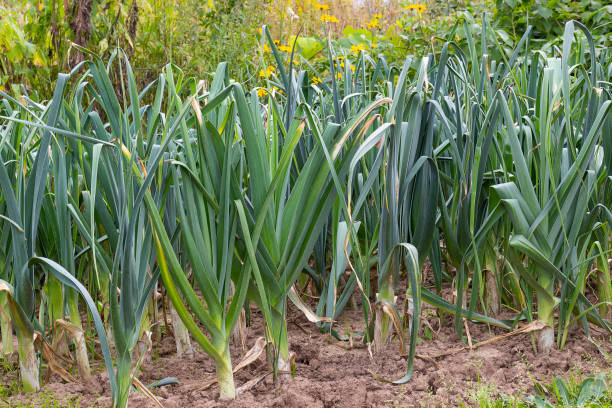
pixel 35 35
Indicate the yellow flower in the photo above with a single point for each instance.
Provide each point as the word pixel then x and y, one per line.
pixel 321 6
pixel 377 16
pixel 326 18
pixel 284 48
pixel 316 80
pixel 373 23
pixel 266 48
pixel 261 92
pixel 420 8
pixel 373 45
pixel 352 68
pixel 267 72
pixel 340 57
pixel 356 48
pixel 338 75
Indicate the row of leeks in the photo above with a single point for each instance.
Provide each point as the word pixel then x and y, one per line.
pixel 498 169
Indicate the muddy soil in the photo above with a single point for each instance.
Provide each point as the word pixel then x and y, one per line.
pixel 329 373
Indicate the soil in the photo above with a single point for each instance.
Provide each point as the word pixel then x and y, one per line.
pixel 330 373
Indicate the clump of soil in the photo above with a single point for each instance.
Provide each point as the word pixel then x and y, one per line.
pixel 330 373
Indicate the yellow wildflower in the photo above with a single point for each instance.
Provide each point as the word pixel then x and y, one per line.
pixel 284 48
pixel 352 68
pixel 373 45
pixel 373 24
pixel 377 16
pixel 266 48
pixel 356 48
pixel 321 6
pixel 338 75
pixel 316 80
pixel 261 92
pixel 326 18
pixel 267 72
pixel 420 8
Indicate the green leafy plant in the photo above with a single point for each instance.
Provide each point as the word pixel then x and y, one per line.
pixel 575 392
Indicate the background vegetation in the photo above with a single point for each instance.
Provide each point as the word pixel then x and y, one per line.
pixel 35 35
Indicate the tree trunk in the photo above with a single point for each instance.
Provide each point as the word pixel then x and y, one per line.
pixel 132 26
pixel 80 24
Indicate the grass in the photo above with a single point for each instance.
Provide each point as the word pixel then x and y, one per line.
pixel 10 384
pixel 44 399
pixel 577 391
pixel 484 396
pixel 11 387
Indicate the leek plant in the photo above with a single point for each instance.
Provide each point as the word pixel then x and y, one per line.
pixel 24 180
pixel 23 193
pixel 291 207
pixel 208 181
pixel 410 188
pixel 550 198
pixel 353 226
pixel 469 163
pixel 111 202
pixel 114 199
pixel 63 301
pixel 280 226
pixel 356 92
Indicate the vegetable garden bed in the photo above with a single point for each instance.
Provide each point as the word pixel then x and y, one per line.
pixel 417 234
